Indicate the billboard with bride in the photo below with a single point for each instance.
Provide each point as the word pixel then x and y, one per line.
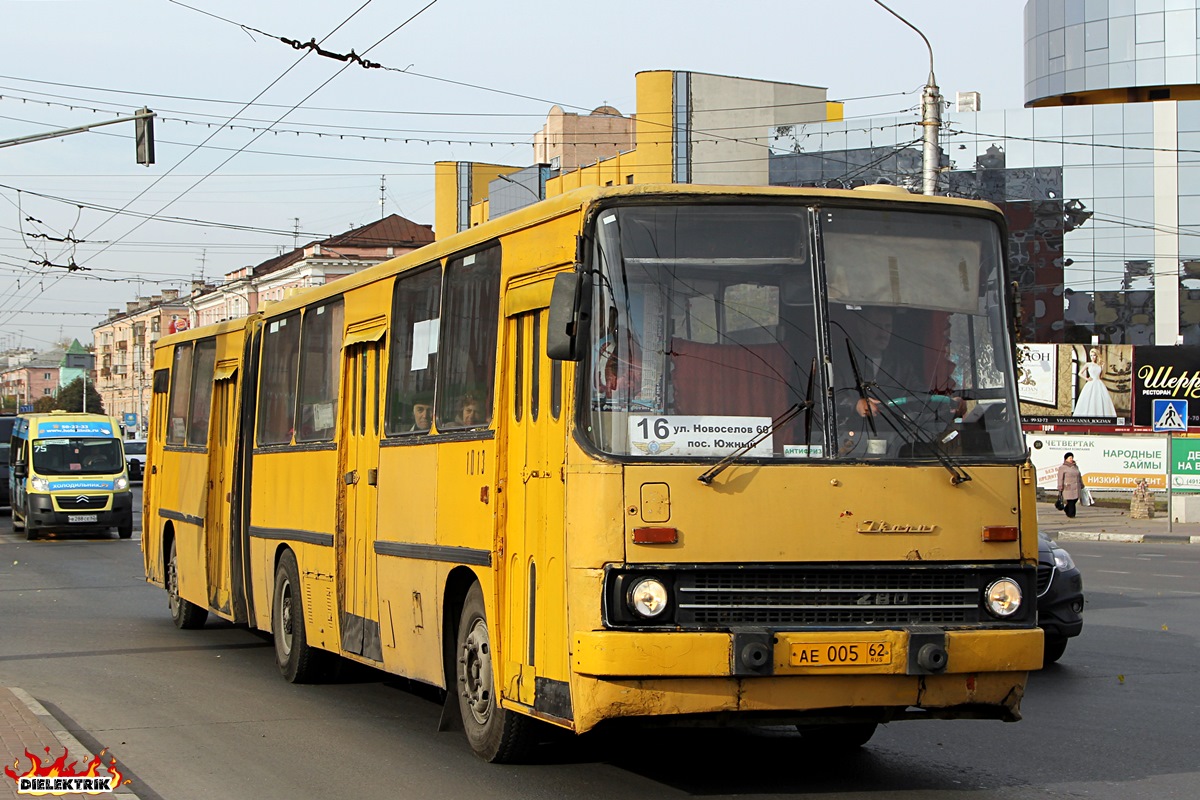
pixel 1075 384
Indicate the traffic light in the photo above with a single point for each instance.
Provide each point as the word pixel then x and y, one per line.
pixel 144 134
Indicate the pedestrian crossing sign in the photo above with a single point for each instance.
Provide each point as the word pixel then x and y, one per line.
pixel 1170 415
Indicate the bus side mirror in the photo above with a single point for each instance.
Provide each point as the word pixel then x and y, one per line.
pixel 20 470
pixel 568 319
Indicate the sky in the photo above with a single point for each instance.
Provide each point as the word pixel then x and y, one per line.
pixel 261 146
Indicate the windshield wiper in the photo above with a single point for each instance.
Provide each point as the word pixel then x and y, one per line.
pixel 716 469
pixel 913 433
pixel 916 435
pixel 862 386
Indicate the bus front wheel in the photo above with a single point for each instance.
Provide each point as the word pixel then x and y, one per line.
pixel 495 734
pixel 184 614
pixel 297 661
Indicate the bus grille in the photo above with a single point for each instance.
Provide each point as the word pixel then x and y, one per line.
pixel 838 598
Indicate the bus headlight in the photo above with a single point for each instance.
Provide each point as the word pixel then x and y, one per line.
pixel 648 598
pixel 39 484
pixel 121 484
pixel 1003 598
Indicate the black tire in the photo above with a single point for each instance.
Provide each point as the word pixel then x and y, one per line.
pixel 1055 647
pixel 838 738
pixel 31 532
pixel 496 734
pixel 185 614
pixel 125 531
pixel 297 661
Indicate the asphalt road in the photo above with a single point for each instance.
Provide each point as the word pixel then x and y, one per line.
pixel 202 714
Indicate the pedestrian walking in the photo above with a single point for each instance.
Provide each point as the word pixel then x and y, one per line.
pixel 1070 483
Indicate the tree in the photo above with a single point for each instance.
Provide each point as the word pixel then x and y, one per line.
pixel 45 403
pixel 70 397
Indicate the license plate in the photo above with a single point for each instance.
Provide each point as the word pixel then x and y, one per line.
pixel 81 517
pixel 840 654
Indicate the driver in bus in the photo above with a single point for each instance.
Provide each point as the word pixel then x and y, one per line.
pixel 890 367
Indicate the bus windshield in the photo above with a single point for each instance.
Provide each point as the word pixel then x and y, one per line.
pixel 77 456
pixel 721 328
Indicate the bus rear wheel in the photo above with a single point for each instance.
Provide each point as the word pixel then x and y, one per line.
pixel 495 734
pixel 297 661
pixel 186 615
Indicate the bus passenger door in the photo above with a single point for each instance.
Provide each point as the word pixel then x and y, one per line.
pixel 533 575
pixel 220 488
pixel 355 541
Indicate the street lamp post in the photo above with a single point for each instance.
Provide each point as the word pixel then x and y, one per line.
pixel 931 117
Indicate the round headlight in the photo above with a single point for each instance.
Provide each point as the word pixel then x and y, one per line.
pixel 1003 598
pixel 121 484
pixel 39 484
pixel 648 598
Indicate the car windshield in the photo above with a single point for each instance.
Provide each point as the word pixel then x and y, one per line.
pixel 135 448
pixel 714 328
pixel 77 456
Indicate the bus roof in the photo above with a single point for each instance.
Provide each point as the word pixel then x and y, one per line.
pixel 570 202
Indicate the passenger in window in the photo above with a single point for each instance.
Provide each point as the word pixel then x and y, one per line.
pixel 619 375
pixel 472 412
pixel 422 412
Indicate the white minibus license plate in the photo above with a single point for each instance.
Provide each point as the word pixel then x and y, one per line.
pixel 81 517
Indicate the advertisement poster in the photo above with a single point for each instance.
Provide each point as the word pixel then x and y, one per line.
pixel 1107 462
pixel 1037 374
pixel 1185 464
pixel 1166 373
pixel 1092 384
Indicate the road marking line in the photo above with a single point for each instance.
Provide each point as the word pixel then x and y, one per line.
pixel 1113 571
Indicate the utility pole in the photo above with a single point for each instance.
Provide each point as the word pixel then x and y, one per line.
pixel 931 117
pixel 382 194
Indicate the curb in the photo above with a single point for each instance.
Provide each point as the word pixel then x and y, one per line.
pixel 65 737
pixel 1129 538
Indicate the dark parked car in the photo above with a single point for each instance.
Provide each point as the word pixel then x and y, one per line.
pixel 6 428
pixel 1060 597
pixel 135 455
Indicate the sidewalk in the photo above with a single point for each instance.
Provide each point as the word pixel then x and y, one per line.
pixel 1101 523
pixel 26 725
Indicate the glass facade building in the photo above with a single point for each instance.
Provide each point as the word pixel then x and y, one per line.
pixel 1102 197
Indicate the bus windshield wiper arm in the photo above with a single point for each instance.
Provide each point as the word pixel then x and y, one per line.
pixel 862 386
pixel 716 469
pixel 915 435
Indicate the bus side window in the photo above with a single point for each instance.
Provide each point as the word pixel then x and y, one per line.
pixel 181 392
pixel 467 368
pixel 412 363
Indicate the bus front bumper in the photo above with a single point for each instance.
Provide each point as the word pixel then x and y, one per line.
pixel 44 517
pixel 681 674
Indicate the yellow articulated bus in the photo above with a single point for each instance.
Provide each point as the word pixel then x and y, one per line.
pixel 675 453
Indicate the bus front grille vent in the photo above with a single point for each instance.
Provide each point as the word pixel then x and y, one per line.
pixel 867 598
